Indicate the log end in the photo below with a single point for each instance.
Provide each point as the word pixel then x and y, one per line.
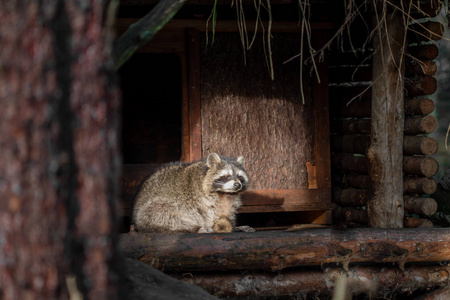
pixel 429 146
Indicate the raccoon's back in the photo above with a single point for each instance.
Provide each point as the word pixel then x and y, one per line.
pixel 174 182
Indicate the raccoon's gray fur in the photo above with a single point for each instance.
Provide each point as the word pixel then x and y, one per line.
pixel 193 197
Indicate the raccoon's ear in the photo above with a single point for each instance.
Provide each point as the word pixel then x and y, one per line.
pixel 240 160
pixel 212 160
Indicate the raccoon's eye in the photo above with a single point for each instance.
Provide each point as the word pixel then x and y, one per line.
pixel 223 179
pixel 241 179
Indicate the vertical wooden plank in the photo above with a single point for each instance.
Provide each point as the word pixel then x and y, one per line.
pixel 194 110
pixel 321 112
pixel 385 208
pixel 185 134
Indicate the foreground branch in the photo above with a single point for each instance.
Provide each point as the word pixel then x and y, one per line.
pixel 141 32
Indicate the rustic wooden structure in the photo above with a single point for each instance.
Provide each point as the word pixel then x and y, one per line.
pixel 353 121
pixel 285 142
pixel 374 150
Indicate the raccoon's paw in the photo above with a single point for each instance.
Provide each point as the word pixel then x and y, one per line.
pixel 205 230
pixel 222 225
pixel 244 228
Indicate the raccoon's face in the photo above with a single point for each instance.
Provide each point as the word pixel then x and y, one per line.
pixel 227 174
pixel 230 180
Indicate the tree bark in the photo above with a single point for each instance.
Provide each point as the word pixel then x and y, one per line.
pixel 385 209
pixel 60 159
pixel 277 250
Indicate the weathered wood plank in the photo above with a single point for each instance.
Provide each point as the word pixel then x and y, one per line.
pixel 195 128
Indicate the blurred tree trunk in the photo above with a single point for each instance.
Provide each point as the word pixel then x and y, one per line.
pixel 59 157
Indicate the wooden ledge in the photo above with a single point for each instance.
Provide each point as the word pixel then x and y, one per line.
pixel 277 250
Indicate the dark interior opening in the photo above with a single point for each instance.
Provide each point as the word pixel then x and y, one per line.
pixel 151 113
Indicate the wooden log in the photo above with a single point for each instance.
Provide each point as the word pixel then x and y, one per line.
pixel 425 8
pixel 358 197
pixel 424 52
pixel 419 106
pixel 362 108
pixel 418 223
pixel 351 163
pixel 357 181
pixel 350 197
pixel 380 282
pixel 419 185
pixel 412 126
pixel 420 205
pixel 422 32
pixel 412 165
pixel 277 250
pixel 351 143
pixel 351 215
pixel 411 184
pixel 412 145
pixel 420 86
pixel 351 126
pixel 419 145
pixel 417 67
pixel 421 166
pixel 420 125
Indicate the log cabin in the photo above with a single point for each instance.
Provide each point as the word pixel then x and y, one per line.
pixel 329 105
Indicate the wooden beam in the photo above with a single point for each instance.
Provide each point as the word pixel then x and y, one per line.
pixel 278 250
pixel 385 209
pixel 322 121
pixel 377 282
pixel 412 126
pixel 420 86
pixel 419 106
pixel 351 196
pixel 195 126
pixel 420 125
pixel 424 32
pixel 412 145
pixel 424 52
pixel 419 145
pixel 419 185
pixel 420 205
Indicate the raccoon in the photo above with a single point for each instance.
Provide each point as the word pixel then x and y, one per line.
pixel 201 197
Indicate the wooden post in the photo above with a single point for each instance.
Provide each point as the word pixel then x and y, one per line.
pixel 385 208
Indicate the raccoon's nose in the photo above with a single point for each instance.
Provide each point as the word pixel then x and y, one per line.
pixel 237 185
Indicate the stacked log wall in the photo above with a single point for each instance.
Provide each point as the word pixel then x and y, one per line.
pixel 350 80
